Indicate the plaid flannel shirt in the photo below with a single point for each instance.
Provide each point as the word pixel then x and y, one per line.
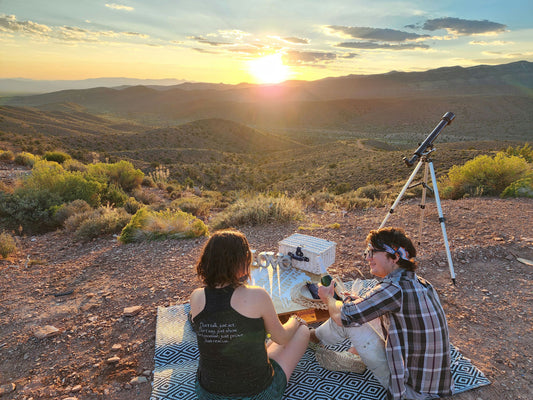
pixel 418 347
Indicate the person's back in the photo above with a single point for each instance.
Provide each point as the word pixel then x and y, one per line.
pixel 233 356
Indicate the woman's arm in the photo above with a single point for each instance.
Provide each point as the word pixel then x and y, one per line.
pixel 280 333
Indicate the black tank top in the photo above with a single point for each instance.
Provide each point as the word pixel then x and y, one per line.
pixel 233 356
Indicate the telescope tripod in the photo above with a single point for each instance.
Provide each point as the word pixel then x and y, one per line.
pixel 428 169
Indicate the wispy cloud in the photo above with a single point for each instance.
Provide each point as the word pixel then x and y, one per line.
pixel 492 43
pixel 119 7
pixel 67 34
pixel 201 39
pixel 295 40
pixel 9 23
pixel 295 58
pixel 464 27
pixel 377 34
pixel 387 46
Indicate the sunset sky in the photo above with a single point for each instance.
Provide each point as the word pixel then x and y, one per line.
pixel 233 41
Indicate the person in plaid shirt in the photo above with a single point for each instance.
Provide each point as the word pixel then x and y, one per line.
pixel 417 343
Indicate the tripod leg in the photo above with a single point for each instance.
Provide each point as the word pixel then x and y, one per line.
pixel 404 189
pixel 441 220
pixel 423 202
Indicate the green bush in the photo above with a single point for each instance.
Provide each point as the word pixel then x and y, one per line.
pixel 372 192
pixel 56 156
pixel 7 155
pixel 69 186
pixel 102 221
pixel 197 206
pixel 74 165
pixel 484 175
pixel 26 159
pixel 65 211
pixel 31 209
pixel 258 210
pixel 132 205
pixel 520 188
pixel 7 245
pixel 153 225
pixel 114 195
pixel 121 173
pixel 526 152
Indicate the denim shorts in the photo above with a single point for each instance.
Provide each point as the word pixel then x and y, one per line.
pixel 273 392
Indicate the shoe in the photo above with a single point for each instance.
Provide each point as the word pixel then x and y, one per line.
pixel 339 361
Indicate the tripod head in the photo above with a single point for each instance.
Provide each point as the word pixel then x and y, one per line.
pixel 428 142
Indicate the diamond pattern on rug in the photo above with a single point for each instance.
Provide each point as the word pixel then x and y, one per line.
pixel 176 361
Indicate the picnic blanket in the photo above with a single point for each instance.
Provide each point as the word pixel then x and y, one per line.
pixel 176 361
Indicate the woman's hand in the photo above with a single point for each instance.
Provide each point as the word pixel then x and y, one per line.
pixel 325 291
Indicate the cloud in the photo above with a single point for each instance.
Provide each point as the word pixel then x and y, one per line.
pixel 201 39
pixel 463 27
pixel 9 23
pixel 295 40
pixel 119 7
pixel 349 55
pixel 294 57
pixel 204 51
pixel 493 43
pixel 387 46
pixel 365 33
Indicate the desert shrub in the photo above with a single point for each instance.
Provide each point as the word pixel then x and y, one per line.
pixel 8 245
pixel 56 156
pixel 160 175
pixel 69 186
pixel 102 221
pixel 520 188
pixel 148 182
pixel 258 210
pixel 121 173
pixel 132 205
pixel 153 225
pixel 351 201
pixel 484 175
pixel 31 209
pixel 7 155
pixel 26 159
pixel 145 196
pixel 342 188
pixel 322 200
pixel 65 211
pixel 198 206
pixel 526 152
pixel 372 192
pixel 114 195
pixel 74 165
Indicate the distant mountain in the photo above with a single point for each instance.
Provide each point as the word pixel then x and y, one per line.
pixel 21 86
pixel 490 101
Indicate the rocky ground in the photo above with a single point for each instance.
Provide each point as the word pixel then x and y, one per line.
pixel 77 320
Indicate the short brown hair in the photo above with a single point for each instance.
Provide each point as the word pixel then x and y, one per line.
pixel 225 257
pixel 395 238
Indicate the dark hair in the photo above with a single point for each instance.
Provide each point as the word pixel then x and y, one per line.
pixel 395 238
pixel 225 257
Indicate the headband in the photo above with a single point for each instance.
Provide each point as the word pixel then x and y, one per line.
pixel 404 255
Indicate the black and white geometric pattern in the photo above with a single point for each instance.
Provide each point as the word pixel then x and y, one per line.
pixel 176 355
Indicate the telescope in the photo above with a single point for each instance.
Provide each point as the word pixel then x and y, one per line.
pixel 428 142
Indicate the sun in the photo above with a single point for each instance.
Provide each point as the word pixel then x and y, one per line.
pixel 269 69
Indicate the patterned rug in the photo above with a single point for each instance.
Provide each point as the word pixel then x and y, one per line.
pixel 176 356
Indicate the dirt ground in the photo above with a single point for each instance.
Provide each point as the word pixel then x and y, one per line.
pixel 98 352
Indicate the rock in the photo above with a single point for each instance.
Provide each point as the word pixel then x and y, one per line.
pixel 70 398
pixel 7 388
pixel 76 389
pixel 116 347
pixel 131 311
pixel 147 372
pixel 46 331
pixel 138 380
pixel 113 360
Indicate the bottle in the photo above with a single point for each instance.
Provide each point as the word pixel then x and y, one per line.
pixel 326 281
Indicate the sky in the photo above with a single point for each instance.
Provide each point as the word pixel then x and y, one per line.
pixel 234 41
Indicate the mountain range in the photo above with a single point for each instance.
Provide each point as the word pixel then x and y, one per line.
pixel 493 101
